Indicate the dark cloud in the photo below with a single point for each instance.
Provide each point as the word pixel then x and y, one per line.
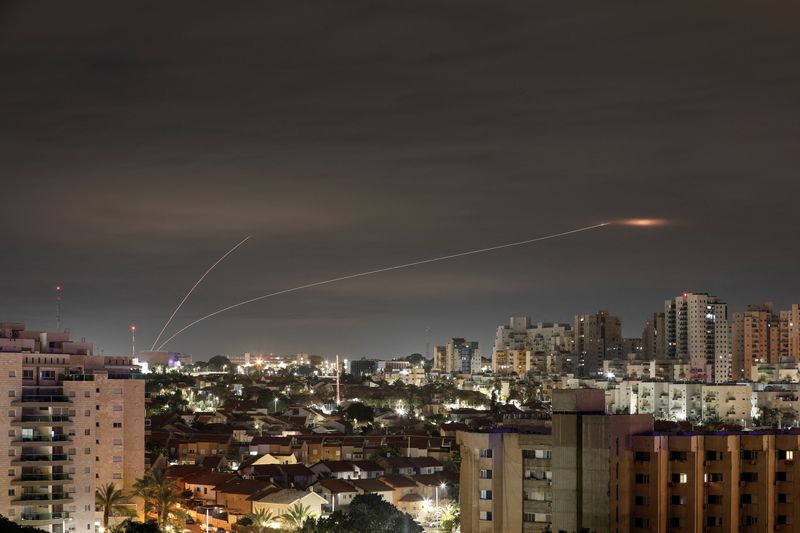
pixel 140 140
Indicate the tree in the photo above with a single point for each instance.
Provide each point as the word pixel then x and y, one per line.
pixel 219 363
pixel 111 502
pixel 359 411
pixel 367 512
pixel 295 516
pixel 7 526
pixel 450 518
pixel 131 526
pixel 260 521
pixel 161 496
pixel 416 359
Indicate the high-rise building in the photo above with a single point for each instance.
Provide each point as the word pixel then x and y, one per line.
pixel 74 421
pixel 592 459
pixel 755 339
pixel 654 342
pixel 632 348
pixel 722 481
pixel 576 478
pixel 789 338
pixel 522 347
pixel 506 481
pixel 698 331
pixel 598 337
pixel 464 357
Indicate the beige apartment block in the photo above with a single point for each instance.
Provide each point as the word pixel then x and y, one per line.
pixel 716 483
pixel 73 422
pixel 506 481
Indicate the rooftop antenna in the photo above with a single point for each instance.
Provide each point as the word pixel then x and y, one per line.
pixel 58 307
pixel 133 340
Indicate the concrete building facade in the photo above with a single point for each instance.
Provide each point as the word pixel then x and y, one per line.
pixel 598 337
pixel 74 421
pixel 698 331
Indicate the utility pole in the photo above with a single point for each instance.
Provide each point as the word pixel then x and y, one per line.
pixel 338 397
pixel 58 307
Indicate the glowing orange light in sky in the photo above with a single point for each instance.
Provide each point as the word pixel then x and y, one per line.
pixel 643 222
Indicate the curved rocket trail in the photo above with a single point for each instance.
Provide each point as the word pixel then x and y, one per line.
pixel 175 312
pixel 378 271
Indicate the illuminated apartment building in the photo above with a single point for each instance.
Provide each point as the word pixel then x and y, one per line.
pixel 73 422
pixel 697 330
pixel 716 482
pixel 755 339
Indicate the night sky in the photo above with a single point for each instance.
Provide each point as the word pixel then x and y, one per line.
pixel 139 143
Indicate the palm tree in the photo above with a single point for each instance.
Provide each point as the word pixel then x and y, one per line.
pixel 295 516
pixel 261 520
pixel 161 495
pixel 111 501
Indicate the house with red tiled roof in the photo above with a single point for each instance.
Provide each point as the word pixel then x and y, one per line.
pixel 336 469
pixel 235 495
pixel 203 485
pixel 374 486
pixel 193 448
pixel 368 469
pixel 278 502
pixel 337 493
pixel 425 465
pixel 269 444
pixel 397 465
pixel 401 486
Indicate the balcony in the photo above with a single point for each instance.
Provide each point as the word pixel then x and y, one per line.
pixel 42 519
pixel 52 498
pixel 42 399
pixel 40 480
pixel 42 420
pixel 44 439
pixel 45 459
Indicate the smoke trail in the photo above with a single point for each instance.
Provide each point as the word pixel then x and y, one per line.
pixel 378 271
pixel 229 252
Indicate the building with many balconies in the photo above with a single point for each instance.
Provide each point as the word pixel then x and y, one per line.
pixel 74 421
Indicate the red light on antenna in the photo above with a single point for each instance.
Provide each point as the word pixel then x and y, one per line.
pixel 58 287
pixel 133 327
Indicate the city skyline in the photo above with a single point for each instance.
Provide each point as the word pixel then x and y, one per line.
pixel 351 138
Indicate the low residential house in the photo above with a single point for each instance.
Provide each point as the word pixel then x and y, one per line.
pixel 336 492
pixel 432 485
pixel 276 459
pixel 412 503
pixel 426 465
pixel 368 469
pixel 336 470
pixel 398 465
pixel 279 501
pixel 214 462
pixel 401 486
pixel 312 417
pixel 270 444
pixel 235 495
pixel 373 486
pixel 286 476
pixel 203 485
pixel 194 448
pixel 330 427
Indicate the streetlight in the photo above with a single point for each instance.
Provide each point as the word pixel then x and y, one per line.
pixel 442 486
pixel 276 405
